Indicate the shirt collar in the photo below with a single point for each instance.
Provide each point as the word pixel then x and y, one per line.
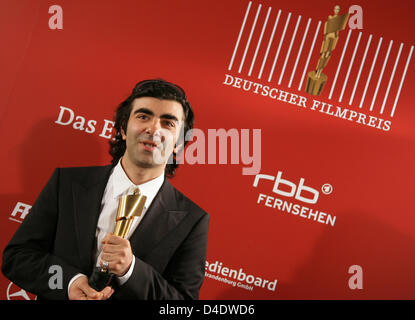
pixel 122 184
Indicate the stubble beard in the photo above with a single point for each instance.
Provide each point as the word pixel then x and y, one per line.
pixel 147 159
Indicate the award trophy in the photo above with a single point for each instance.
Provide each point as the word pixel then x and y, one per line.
pixel 316 79
pixel 129 206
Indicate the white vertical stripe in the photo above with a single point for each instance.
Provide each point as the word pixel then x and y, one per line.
pixel 259 41
pixel 350 67
pixel 289 50
pixel 279 47
pixel 269 44
pixel 249 39
pixel 391 79
pixel 299 53
pixel 340 63
pixel 239 36
pixel 360 69
pixel 381 75
pixel 402 79
pixel 370 72
pixel 309 55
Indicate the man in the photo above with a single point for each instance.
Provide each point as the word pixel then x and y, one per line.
pixel 71 222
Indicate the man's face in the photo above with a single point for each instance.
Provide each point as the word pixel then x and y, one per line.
pixel 152 131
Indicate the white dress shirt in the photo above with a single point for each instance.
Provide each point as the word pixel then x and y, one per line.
pixel 118 185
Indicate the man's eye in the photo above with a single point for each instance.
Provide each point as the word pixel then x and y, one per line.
pixel 170 124
pixel 142 117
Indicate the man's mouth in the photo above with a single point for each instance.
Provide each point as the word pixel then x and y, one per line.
pixel 149 145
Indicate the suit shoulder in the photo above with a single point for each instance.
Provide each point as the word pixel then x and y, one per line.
pixel 83 169
pixel 84 174
pixel 187 204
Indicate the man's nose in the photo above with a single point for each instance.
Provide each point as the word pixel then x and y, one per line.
pixel 154 127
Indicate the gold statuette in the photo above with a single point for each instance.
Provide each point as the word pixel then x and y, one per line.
pixel 315 78
pixel 129 206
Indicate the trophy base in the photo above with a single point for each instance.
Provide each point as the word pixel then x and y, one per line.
pixel 314 84
pixel 100 279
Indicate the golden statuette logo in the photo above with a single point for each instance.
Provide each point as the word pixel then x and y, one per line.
pixel 315 78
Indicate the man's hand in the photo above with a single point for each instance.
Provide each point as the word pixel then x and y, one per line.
pixel 80 290
pixel 117 252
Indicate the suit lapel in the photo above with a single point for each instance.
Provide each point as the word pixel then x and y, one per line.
pixel 87 203
pixel 163 215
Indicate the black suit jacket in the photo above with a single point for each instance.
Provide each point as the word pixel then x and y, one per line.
pixel 169 244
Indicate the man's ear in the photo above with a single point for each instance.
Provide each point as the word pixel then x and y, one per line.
pixel 177 148
pixel 123 135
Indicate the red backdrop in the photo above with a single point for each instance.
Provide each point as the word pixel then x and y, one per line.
pixel 367 164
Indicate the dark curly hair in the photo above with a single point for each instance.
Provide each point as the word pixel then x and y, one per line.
pixel 156 88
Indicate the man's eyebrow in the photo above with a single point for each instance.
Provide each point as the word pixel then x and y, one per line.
pixel 168 116
pixel 144 110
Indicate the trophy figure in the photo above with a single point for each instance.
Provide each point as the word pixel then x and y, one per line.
pixel 316 79
pixel 129 206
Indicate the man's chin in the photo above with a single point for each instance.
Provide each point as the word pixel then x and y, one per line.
pixel 150 162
